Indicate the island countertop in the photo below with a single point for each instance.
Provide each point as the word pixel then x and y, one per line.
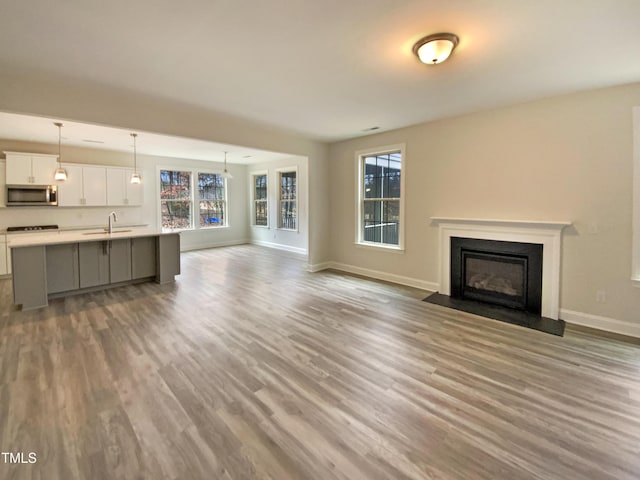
pixel 60 263
pixel 80 236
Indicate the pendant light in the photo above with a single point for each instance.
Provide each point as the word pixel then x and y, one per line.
pixel 61 174
pixel 135 176
pixel 226 173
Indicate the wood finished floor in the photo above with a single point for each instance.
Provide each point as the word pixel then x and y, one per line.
pixel 249 367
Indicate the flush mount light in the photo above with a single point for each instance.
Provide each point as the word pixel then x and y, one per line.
pixel 61 173
pixel 436 48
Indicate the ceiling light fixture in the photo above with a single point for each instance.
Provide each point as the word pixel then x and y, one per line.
pixel 226 174
pixel 61 174
pixel 135 176
pixel 436 48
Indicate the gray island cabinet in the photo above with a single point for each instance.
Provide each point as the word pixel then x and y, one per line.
pixel 63 265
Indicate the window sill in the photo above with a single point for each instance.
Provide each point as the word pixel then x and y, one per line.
pixel 379 247
pixel 635 282
pixel 288 229
pixel 265 227
pixel 180 230
pixel 213 227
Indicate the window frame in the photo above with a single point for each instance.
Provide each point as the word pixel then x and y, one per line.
pixel 635 239
pixel 252 177
pixel 198 200
pixel 194 198
pixel 279 172
pixel 160 200
pixel 360 200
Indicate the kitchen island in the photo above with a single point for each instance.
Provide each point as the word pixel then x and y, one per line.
pixel 50 265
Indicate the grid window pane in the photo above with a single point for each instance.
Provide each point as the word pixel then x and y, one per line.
pixel 260 184
pixel 212 213
pixel 176 213
pixel 210 186
pixel 288 186
pixel 212 204
pixel 175 185
pixel 288 217
pixel 261 213
pixel 260 200
pixel 381 190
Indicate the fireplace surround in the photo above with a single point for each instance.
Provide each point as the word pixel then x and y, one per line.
pixel 547 234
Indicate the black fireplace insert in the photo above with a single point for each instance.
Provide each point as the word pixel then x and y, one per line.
pixel 497 272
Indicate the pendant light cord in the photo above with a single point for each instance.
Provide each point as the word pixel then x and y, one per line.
pixel 59 125
pixel 135 155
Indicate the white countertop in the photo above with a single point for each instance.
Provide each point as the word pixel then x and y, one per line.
pixel 76 236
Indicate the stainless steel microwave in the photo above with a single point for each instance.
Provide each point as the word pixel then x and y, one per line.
pixel 32 195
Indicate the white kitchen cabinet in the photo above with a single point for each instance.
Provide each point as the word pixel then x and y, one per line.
pixel 94 181
pixel 85 186
pixel 30 168
pixel 120 190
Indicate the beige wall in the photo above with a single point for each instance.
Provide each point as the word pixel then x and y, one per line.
pixel 563 158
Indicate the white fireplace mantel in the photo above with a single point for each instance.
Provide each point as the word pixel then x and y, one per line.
pixel 549 234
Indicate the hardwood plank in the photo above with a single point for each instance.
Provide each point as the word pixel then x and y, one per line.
pixel 250 367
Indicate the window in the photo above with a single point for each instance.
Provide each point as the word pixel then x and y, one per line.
pixel 380 199
pixel 260 215
pixel 288 204
pixel 212 199
pixel 181 203
pixel 175 199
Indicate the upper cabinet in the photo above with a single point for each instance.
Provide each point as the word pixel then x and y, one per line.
pixel 120 190
pixel 29 168
pixel 85 186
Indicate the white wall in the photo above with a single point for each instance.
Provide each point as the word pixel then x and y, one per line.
pixel 272 236
pixel 563 158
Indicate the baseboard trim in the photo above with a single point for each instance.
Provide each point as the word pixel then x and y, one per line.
pixel 278 246
pixel 385 276
pixel 601 323
pixel 204 245
pixel 318 267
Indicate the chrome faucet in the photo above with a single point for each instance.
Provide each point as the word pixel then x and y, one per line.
pixel 113 216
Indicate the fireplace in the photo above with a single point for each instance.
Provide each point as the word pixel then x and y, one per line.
pixel 498 272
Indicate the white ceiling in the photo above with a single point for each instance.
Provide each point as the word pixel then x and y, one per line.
pixel 327 68
pixel 42 130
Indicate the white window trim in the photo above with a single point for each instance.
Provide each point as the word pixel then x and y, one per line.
pixel 195 210
pixel 278 171
pixel 635 240
pixel 401 147
pixel 197 226
pixel 252 199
